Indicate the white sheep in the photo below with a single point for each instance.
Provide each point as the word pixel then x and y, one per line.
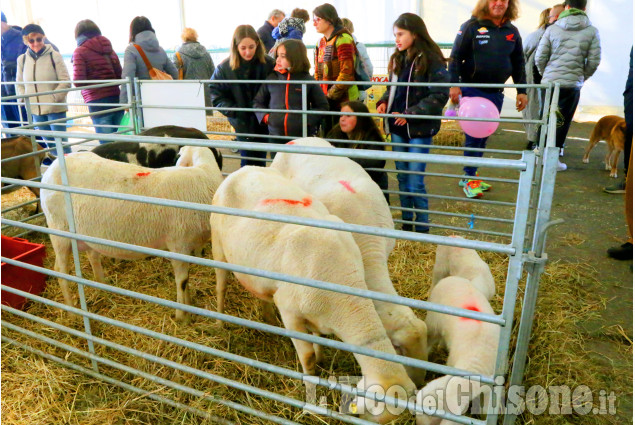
pixel 465 263
pixel 194 179
pixel 472 345
pixel 303 251
pixel 349 193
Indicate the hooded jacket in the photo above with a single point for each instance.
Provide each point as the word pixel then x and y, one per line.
pixel 289 97
pixel 48 65
pixel 197 64
pixel 569 51
pixel 133 65
pixel 240 95
pixel 95 59
pixel 12 47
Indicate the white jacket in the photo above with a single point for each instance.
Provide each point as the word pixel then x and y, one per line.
pixel 48 66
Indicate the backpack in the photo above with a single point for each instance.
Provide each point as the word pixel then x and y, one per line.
pixel 363 70
pixel 155 74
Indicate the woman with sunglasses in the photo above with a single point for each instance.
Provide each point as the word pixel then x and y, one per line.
pixel 42 63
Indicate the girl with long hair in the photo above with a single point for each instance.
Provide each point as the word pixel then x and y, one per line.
pixel 417 59
pixel 247 61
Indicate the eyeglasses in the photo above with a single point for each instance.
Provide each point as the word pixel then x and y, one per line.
pixel 33 40
pixel 317 19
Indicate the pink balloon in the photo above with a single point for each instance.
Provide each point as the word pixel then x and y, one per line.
pixel 478 107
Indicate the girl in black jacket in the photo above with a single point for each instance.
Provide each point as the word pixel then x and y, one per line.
pixel 356 129
pixel 247 61
pixel 292 63
pixel 417 59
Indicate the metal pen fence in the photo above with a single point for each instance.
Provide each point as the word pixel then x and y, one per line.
pixel 524 221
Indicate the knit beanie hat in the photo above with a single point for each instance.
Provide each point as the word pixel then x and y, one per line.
pixel 32 28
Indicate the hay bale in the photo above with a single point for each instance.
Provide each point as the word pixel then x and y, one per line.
pixel 449 135
pixel 218 122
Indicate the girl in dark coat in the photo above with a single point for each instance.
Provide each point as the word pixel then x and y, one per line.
pixel 417 59
pixel 95 59
pixel 292 63
pixel 247 61
pixel 361 129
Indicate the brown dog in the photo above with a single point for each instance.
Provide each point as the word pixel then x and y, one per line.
pixel 23 168
pixel 611 129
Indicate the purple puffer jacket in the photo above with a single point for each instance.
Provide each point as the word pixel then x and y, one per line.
pixel 95 59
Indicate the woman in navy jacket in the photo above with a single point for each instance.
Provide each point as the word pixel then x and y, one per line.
pixel 247 61
pixel 417 59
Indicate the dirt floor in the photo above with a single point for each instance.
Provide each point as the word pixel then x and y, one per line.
pixel 594 221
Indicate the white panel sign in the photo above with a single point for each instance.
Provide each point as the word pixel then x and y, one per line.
pixel 168 93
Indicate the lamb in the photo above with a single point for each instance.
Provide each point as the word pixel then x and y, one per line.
pixel 303 251
pixel 466 263
pixel 194 179
pixel 471 344
pixel 153 155
pixel 348 192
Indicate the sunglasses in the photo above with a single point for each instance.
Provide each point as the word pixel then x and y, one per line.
pixel 33 40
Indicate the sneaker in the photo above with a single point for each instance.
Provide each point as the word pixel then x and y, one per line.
pixel 472 189
pixel 562 166
pixel 616 188
pixel 484 186
pixel 622 252
pixel 47 161
pixel 561 151
pixel 531 146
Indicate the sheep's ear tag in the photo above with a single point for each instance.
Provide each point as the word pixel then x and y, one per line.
pixel 352 408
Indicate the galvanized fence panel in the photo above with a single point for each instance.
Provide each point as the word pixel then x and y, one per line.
pixel 526 217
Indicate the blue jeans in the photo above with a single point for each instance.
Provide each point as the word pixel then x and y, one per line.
pixel 412 183
pixel 113 118
pixel 474 142
pixel 61 126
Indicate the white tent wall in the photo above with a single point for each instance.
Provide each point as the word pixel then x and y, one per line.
pixel 216 21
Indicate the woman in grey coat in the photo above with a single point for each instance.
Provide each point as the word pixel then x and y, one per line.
pixel 534 96
pixel 142 34
pixel 194 62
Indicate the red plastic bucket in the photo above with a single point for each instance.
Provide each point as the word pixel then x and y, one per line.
pixel 20 278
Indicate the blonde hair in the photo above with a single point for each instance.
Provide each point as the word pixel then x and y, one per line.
pixel 245 31
pixel 346 23
pixel 544 18
pixel 481 10
pixel 189 35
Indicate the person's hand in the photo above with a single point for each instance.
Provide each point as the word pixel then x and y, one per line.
pixel 455 92
pixel 381 109
pixel 521 102
pixel 399 121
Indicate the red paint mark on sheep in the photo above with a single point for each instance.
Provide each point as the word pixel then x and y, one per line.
pixel 347 185
pixel 470 307
pixel 143 174
pixel 305 202
pixel 291 143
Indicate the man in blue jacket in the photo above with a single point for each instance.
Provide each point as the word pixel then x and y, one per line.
pixel 487 49
pixel 12 47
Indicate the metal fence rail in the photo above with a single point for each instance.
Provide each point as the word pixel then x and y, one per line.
pixel 526 219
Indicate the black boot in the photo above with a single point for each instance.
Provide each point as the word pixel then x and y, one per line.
pixel 623 252
pixel 407 227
